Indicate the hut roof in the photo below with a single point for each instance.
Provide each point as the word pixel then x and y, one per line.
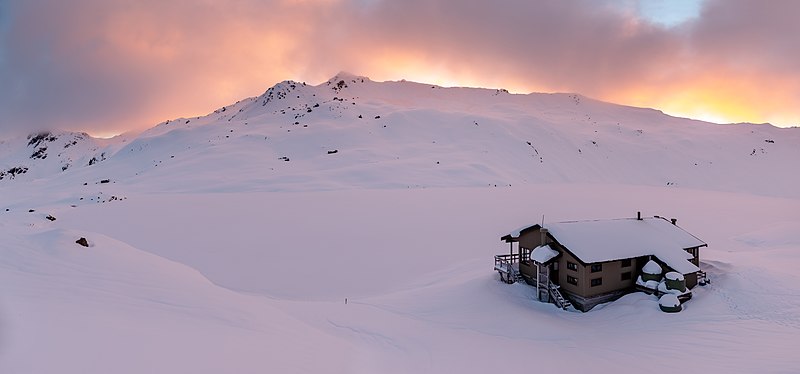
pixel 615 239
pixel 608 240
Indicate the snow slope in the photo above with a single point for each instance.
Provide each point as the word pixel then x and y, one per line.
pixel 46 153
pixel 226 258
pixel 114 308
pixel 413 135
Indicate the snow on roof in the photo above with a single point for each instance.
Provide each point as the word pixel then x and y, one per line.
pixel 516 233
pixel 543 253
pixel 608 240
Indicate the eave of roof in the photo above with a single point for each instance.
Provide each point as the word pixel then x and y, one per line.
pixel 514 235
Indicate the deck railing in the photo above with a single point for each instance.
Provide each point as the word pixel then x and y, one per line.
pixel 506 258
pixel 504 265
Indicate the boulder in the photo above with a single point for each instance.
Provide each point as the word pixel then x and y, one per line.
pixel 675 281
pixel 669 303
pixel 651 271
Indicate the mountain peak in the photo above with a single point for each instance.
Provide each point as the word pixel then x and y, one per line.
pixel 347 77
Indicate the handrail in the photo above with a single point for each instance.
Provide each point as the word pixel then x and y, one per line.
pixel 505 260
pixel 512 258
pixel 561 302
pixel 503 265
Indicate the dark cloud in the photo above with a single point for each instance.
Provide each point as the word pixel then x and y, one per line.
pixel 108 66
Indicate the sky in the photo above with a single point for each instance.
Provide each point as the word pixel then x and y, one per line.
pixel 110 66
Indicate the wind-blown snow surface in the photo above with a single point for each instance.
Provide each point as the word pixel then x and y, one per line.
pixel 225 258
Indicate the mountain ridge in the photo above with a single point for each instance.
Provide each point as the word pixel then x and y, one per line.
pixel 350 131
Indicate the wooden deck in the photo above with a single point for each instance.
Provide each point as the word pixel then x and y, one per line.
pixel 508 267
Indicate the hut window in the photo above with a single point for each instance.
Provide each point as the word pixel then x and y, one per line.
pixel 597 267
pixel 626 262
pixel 625 276
pixel 572 266
pixel 572 280
pixel 597 281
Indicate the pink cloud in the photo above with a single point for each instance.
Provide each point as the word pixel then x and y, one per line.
pixel 109 66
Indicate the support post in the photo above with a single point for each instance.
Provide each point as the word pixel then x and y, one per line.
pixel 538 293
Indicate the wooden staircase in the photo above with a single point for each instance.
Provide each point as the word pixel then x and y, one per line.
pixel 515 275
pixel 558 299
pixel 509 273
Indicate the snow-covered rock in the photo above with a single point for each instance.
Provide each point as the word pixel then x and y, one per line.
pixel 663 287
pixel 651 284
pixel 652 267
pixel 669 303
pixel 674 276
pixel 651 272
pixel 669 300
pixel 675 281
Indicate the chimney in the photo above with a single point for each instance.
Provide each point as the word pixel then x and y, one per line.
pixel 543 232
pixel 639 216
pixel 674 221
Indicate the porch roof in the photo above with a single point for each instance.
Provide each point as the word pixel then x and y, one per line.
pixel 543 254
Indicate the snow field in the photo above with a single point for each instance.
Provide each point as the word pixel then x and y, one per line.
pixel 427 302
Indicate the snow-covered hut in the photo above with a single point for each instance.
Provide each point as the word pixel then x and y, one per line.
pixel 585 263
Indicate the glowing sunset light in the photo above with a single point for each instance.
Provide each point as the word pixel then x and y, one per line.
pixel 109 67
pixel 104 135
pixel 720 100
